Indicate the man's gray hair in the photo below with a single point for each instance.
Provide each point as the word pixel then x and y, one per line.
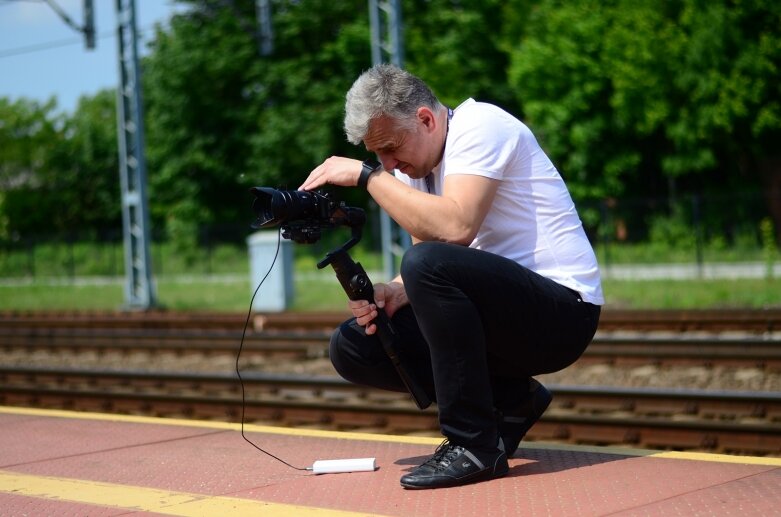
pixel 385 90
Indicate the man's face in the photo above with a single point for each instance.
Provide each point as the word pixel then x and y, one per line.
pixel 408 150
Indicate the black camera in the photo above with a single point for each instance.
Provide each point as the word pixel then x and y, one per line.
pixel 301 214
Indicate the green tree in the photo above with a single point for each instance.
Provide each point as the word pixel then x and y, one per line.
pixel 222 118
pixel 456 46
pixel 730 73
pixel 195 93
pixel 60 170
pixel 594 94
pixel 320 47
pixel 82 177
pixel 635 97
pixel 28 132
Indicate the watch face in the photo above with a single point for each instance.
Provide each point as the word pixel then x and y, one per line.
pixel 371 164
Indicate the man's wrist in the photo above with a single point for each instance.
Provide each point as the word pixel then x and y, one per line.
pixel 369 167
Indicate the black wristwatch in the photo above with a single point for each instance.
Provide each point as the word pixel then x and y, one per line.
pixel 370 166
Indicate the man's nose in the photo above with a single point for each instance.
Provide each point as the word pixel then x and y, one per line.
pixel 388 161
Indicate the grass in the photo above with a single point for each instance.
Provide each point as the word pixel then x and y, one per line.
pixel 218 279
pixel 322 292
pixel 230 294
pixel 693 294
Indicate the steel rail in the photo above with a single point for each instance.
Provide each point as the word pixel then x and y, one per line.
pixel 731 421
pixel 749 349
pixel 757 320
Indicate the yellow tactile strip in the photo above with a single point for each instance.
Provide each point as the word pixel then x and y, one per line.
pixel 696 456
pixel 150 499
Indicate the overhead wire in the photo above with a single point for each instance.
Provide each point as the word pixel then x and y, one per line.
pixel 64 16
pixel 38 47
pixel 61 43
pixel 55 44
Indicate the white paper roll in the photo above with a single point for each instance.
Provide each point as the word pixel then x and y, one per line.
pixel 349 465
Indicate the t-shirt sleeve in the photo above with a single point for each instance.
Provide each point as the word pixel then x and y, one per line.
pixel 485 141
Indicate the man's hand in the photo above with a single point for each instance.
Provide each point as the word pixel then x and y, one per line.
pixel 390 296
pixel 336 170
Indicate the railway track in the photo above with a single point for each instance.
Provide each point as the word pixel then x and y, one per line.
pixel 719 421
pixel 727 422
pixel 736 348
pixel 713 320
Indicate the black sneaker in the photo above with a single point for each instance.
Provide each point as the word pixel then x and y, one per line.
pixel 515 423
pixel 453 465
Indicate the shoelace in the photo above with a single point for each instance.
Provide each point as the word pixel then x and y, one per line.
pixel 444 455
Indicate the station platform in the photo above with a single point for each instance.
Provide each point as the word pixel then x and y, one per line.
pixel 72 463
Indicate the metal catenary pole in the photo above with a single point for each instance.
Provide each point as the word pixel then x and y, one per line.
pixel 139 288
pixel 388 47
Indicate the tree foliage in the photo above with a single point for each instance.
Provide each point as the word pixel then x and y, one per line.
pixel 59 173
pixel 222 118
pixel 629 97
pixel 633 96
pixel 85 186
pixel 27 131
pixel 456 47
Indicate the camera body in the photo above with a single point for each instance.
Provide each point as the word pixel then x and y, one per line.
pixel 301 214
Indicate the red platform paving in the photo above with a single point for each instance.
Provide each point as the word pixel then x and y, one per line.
pixel 69 463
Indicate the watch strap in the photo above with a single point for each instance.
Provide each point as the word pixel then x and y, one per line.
pixel 369 167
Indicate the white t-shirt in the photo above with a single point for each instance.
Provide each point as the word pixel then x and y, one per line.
pixel 533 220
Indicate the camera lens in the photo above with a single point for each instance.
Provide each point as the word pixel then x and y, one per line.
pixel 274 207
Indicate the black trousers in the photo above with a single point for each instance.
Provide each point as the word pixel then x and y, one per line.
pixel 478 326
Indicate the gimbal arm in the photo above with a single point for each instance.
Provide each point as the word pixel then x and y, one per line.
pixel 357 285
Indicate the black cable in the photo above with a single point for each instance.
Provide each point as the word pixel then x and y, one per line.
pixel 238 355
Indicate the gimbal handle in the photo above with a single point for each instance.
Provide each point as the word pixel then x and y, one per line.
pixel 357 285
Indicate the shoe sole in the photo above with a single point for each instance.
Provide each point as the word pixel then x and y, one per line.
pixel 475 478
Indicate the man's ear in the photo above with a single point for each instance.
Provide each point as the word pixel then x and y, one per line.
pixel 427 118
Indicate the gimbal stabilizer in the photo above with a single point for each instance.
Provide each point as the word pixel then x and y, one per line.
pixel 302 215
